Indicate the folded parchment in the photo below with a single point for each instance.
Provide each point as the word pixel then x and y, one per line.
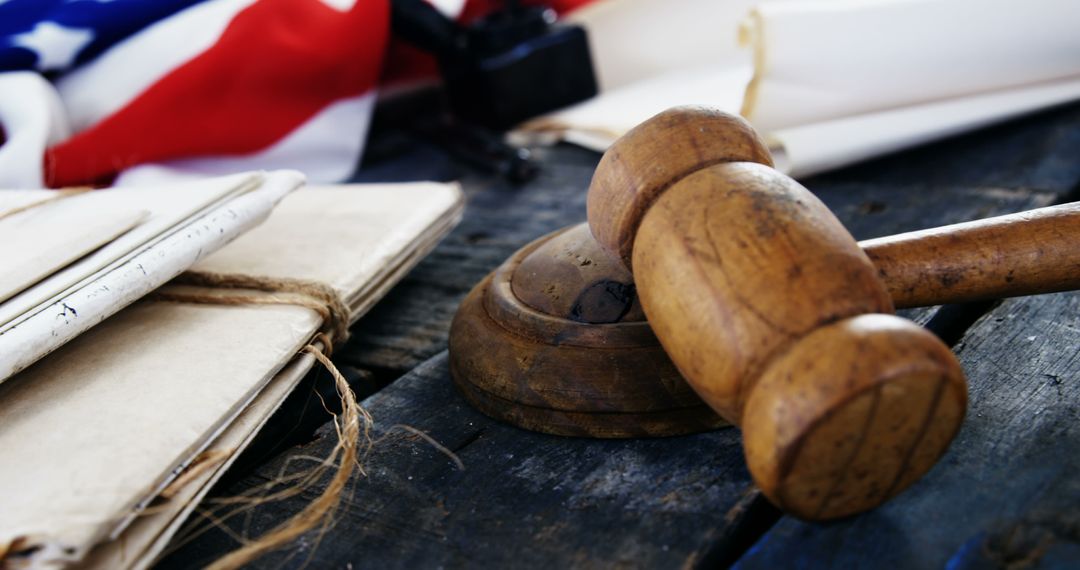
pixel 71 260
pixel 829 82
pixel 98 430
pixel 140 544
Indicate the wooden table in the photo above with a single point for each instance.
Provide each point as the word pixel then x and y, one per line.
pixel 1007 491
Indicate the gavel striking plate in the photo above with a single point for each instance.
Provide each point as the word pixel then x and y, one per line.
pixel 775 316
pixel 555 341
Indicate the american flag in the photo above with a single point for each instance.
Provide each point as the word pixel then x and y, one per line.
pixel 93 88
pixel 211 87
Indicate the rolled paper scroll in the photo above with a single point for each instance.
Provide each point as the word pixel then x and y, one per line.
pixel 827 83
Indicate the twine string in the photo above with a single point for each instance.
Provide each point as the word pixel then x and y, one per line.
pixel 352 424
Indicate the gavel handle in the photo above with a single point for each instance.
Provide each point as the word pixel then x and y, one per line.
pixel 1026 253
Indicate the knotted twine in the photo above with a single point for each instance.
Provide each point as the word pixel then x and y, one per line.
pixel 350 424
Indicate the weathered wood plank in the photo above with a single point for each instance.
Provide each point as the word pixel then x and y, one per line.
pixel 1007 489
pixel 533 500
pixel 522 500
pixel 900 193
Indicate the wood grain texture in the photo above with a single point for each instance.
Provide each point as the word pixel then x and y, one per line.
pixel 1006 491
pixel 521 353
pixel 755 290
pixel 737 265
pixel 1024 164
pixel 573 375
pixel 736 262
pixel 533 345
pixel 1027 253
pixel 571 277
pixel 1020 165
pixel 851 415
pixel 522 500
pixel 652 156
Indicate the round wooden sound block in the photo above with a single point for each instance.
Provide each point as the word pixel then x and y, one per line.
pixel 555 341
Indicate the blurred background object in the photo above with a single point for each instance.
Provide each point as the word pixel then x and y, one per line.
pixel 830 82
pixel 510 65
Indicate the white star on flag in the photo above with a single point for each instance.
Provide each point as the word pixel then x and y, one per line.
pixel 55 45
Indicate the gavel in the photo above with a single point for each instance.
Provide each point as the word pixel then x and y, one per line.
pixel 778 319
pixel 774 315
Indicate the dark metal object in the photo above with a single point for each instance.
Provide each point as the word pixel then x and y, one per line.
pixel 504 68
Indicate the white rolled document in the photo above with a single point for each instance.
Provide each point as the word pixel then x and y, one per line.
pixel 71 260
pixel 827 82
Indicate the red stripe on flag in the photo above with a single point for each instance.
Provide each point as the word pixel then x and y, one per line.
pixel 278 63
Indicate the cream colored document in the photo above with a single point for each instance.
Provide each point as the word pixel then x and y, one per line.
pixel 95 430
pixel 138 545
pixel 350 237
pixel 125 411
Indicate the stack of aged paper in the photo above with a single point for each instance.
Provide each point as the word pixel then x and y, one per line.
pixel 158 400
pixel 68 260
pixel 828 82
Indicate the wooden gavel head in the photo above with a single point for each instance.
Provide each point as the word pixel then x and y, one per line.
pixel 555 341
pixel 774 315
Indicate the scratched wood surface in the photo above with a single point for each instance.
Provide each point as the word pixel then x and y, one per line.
pixel 538 501
pixel 522 499
pixel 1006 492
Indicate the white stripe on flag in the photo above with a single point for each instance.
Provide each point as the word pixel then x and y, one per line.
pixel 32 118
pixel 106 84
